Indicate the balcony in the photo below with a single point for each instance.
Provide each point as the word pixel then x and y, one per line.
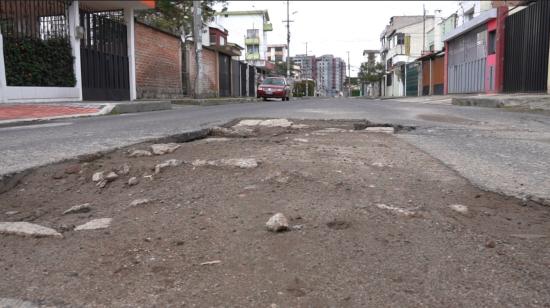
pixel 252 56
pixel 268 27
pixel 252 41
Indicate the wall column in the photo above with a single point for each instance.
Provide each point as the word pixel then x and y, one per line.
pixel 502 13
pixel 2 70
pixel 129 19
pixel 74 23
pixel 446 70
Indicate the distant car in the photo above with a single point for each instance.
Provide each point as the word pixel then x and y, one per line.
pixel 274 87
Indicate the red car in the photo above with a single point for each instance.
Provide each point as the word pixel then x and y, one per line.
pixel 274 87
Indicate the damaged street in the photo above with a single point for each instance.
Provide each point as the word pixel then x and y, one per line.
pixel 269 212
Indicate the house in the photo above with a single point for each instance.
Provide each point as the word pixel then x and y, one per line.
pixel 472 51
pixel 56 50
pixel 402 43
pixel 248 29
pixel 277 53
pixel 432 62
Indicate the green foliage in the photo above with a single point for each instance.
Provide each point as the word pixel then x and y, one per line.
pixel 280 68
pixel 41 63
pixel 176 16
pixel 355 92
pixel 371 72
pixel 300 88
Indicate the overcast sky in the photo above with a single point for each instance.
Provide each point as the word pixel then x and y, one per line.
pixel 335 27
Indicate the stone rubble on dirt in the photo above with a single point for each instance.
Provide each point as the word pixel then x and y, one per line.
pixel 277 223
pixel 459 208
pixel 72 169
pixel 27 229
pixel 166 164
pixel 387 130
pixel 138 202
pixel 111 176
pixel 98 176
pixel 81 208
pixel 216 139
pixel 164 148
pixel 133 181
pixel 211 262
pixel 329 130
pixel 301 140
pixel 100 223
pixel 235 132
pixel 124 169
pixel 396 210
pixel 11 213
pixel 17 303
pixel 140 153
pixel 244 163
pixel 266 123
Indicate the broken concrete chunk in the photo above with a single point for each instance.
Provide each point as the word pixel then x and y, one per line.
pixel 235 132
pixel 81 208
pixel 100 223
pixel 166 164
pixel 102 183
pixel 111 176
pixel 11 213
pixel 277 223
pixel 27 229
pixel 139 202
pixel 266 123
pixel 98 176
pixel 140 153
pixel 387 130
pixel 245 163
pixel 395 209
pixel 164 148
pixel 459 208
pixel 301 140
pixel 133 181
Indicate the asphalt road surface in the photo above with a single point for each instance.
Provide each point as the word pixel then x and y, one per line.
pixel 500 151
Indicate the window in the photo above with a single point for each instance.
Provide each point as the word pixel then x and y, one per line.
pixel 469 15
pixel 400 38
pixel 212 39
pixel 492 46
pixel 252 33
pixel 278 49
pixel 278 58
pixel 388 79
pixel 222 41
pixel 253 49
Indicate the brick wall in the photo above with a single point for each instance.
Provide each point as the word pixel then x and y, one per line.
pixel 209 80
pixel 158 63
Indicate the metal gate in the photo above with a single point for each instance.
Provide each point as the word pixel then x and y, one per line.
pixel 252 81
pixel 526 49
pixel 225 76
pixel 467 59
pixel 235 78
pixel 243 79
pixel 104 56
pixel 411 80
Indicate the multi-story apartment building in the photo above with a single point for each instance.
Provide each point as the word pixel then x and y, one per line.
pixel 277 53
pixel 249 29
pixel 331 73
pixel 402 42
pixel 308 66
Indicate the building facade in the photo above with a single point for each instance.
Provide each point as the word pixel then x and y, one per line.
pixel 403 41
pixel 331 74
pixel 277 53
pixel 248 29
pixel 84 50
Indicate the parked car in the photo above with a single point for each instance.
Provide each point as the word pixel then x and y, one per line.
pixel 274 87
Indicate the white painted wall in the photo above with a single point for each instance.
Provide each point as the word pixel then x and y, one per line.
pixel 129 19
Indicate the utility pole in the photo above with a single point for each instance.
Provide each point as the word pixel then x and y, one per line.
pixel 307 81
pixel 349 77
pixel 423 28
pixel 197 38
pixel 287 39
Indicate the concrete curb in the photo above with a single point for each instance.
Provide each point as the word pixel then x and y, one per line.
pixel 214 101
pixel 134 107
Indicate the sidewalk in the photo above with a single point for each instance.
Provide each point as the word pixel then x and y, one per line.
pixel 20 113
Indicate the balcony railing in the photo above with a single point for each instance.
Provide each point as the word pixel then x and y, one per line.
pixel 252 41
pixel 253 56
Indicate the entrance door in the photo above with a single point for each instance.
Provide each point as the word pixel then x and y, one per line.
pixel 411 80
pixel 225 77
pixel 243 79
pixel 104 56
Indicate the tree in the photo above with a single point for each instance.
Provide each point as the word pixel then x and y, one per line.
pixel 176 16
pixel 371 72
pixel 280 68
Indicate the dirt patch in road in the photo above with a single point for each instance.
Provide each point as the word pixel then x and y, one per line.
pixel 371 224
